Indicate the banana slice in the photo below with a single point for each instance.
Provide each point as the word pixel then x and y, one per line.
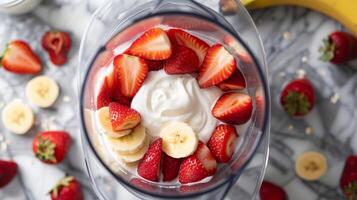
pixel 133 157
pixel 178 140
pixel 106 126
pixel 311 165
pixel 17 117
pixel 42 91
pixel 131 143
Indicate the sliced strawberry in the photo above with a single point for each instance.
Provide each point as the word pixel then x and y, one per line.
pixel 129 32
pixel 149 166
pixel 103 98
pixel 205 156
pixel 238 49
pixel 56 41
pixel 131 72
pixel 153 45
pixel 183 60
pixel 58 59
pixel 233 108
pixel 223 142
pixel 114 89
pixel 180 37
pixel 57 44
pixel 123 117
pixel 192 170
pixel 217 66
pixel 170 167
pixel 8 171
pixel 155 65
pixel 19 58
pixel 235 82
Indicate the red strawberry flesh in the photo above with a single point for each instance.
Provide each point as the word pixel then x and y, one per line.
pixel 183 60
pixel 8 170
pixel 217 66
pixel 19 58
pixel 170 167
pixel 192 170
pixel 223 142
pixel 235 82
pixel 154 44
pixel 180 37
pixel 131 72
pixel 123 117
pixel 205 156
pixel 270 191
pixel 348 181
pixel 149 166
pixel 233 108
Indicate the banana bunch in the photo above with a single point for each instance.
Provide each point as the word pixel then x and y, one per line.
pixel 343 11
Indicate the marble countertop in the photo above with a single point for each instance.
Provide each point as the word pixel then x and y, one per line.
pixel 291 37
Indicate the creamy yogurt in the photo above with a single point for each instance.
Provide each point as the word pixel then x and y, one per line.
pixel 164 98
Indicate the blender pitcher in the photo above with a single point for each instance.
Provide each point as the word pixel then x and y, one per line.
pixel 118 22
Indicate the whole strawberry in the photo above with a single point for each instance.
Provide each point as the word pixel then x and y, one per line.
pixel 20 59
pixel 339 47
pixel 298 97
pixel 270 191
pixel 8 170
pixel 348 182
pixel 67 188
pixel 183 60
pixel 51 146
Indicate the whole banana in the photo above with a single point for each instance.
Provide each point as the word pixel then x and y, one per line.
pixel 344 11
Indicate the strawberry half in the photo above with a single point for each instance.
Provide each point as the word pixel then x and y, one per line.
pixel 153 45
pixel 8 170
pixel 114 89
pixel 57 44
pixel 67 188
pixel 206 157
pixel 197 166
pixel 131 72
pixel 51 146
pixel 149 166
pixel 233 108
pixel 217 66
pixel 180 37
pixel 183 60
pixel 348 181
pixel 223 142
pixel 235 82
pixel 20 59
pixel 123 117
pixel 270 191
pixel 298 97
pixel 192 170
pixel 170 167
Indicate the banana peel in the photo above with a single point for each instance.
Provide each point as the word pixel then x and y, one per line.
pixel 344 11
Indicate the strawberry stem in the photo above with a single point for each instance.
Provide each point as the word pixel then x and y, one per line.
pixel 351 190
pixel 327 50
pixel 46 150
pixel 64 182
pixel 296 103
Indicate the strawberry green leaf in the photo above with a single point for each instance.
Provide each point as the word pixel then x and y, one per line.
pixel 296 103
pixel 46 150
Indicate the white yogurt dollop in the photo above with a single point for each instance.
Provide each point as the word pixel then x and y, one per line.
pixel 164 98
